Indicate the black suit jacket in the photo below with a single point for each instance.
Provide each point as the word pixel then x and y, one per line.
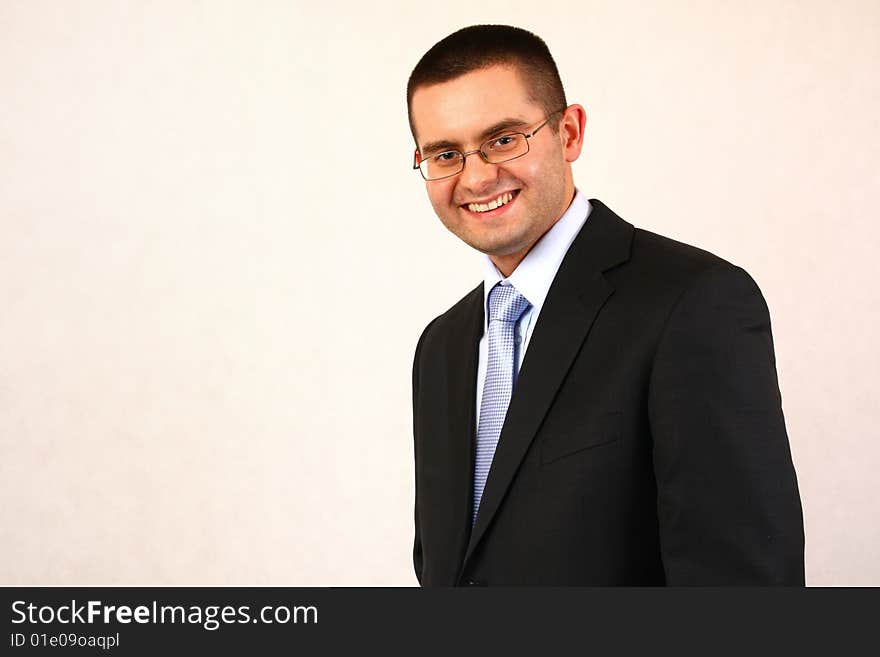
pixel 644 442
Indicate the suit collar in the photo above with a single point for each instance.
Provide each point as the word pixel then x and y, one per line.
pixel 534 275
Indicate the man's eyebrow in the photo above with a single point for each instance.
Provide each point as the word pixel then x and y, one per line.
pixel 495 128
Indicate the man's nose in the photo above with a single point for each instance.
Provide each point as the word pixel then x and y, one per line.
pixel 478 174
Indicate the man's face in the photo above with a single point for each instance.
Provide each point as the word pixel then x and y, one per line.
pixel 462 114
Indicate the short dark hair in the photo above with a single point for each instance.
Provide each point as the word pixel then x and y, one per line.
pixel 480 46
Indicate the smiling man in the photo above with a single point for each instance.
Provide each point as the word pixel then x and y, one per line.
pixel 500 208
pixel 603 408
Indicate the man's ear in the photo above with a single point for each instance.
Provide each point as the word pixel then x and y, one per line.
pixel 571 131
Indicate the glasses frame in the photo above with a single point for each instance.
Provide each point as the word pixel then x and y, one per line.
pixel 417 164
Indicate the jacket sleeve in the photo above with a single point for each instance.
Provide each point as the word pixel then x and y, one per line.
pixel 417 542
pixel 728 503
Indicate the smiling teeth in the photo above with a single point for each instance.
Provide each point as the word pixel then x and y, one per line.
pixel 491 205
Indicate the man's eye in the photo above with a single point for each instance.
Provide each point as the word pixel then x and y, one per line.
pixel 448 156
pixel 504 143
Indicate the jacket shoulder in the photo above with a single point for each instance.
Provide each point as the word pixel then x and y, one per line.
pixel 455 315
pixel 662 271
pixel 663 256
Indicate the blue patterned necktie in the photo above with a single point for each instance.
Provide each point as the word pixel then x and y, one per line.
pixel 506 306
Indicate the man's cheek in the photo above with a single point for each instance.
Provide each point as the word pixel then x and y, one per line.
pixel 442 202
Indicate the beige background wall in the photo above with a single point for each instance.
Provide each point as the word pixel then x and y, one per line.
pixel 215 262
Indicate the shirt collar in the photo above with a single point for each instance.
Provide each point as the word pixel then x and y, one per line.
pixel 534 275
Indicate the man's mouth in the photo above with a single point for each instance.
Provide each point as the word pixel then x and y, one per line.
pixel 492 204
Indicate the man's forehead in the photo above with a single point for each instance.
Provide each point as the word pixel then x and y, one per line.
pixel 470 106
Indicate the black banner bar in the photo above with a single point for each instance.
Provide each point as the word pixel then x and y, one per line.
pixel 143 620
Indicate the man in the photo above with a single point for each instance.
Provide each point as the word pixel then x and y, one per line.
pixel 603 408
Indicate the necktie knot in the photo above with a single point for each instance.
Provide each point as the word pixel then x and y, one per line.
pixel 506 304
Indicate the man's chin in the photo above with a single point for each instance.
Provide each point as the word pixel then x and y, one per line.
pixel 498 248
pixel 498 241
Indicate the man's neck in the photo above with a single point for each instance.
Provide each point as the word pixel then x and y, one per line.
pixel 506 264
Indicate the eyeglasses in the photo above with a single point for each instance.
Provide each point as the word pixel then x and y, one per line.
pixel 508 146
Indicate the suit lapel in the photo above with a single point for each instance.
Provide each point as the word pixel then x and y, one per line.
pixel 575 298
pixel 462 352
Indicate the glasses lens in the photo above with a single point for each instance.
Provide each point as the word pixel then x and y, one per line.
pixel 506 147
pixel 441 165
